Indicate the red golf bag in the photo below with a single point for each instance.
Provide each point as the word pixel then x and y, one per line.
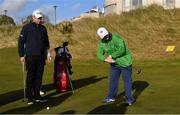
pixel 60 75
pixel 62 70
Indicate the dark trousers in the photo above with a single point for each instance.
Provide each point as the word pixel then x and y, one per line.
pixel 35 69
pixel 115 73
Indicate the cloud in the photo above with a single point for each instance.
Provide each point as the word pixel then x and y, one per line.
pixel 76 6
pixel 14 5
pixel 47 9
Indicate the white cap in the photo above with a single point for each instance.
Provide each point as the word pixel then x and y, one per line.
pixel 102 32
pixel 37 14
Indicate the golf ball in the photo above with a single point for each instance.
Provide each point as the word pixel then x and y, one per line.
pixel 47 108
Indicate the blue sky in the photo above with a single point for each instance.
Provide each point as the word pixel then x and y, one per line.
pixel 66 9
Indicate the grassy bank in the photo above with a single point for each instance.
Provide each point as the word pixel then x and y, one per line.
pixel 147 31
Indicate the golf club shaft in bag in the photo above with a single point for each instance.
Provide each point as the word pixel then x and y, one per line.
pixel 69 78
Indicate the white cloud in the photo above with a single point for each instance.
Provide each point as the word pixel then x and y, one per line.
pixel 14 5
pixel 47 9
pixel 76 6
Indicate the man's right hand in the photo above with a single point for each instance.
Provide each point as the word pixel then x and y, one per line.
pixel 49 59
pixel 109 57
pixel 49 56
pixel 108 60
pixel 22 59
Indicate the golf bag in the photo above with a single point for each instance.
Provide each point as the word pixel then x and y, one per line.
pixel 62 69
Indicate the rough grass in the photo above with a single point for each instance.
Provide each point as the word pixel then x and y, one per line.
pixel 156 88
pixel 147 31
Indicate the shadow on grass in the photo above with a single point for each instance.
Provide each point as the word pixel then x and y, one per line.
pixel 10 97
pixel 52 101
pixel 118 107
pixel 77 83
pixel 31 109
pixel 69 112
pixel 86 81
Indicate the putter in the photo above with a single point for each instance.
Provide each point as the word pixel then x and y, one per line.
pixel 24 81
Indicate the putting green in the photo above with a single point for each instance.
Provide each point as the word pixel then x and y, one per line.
pixel 157 88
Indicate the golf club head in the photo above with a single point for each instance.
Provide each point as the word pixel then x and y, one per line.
pixel 65 44
pixel 138 71
pixel 24 100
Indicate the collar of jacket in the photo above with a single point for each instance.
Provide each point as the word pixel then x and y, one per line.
pixel 34 24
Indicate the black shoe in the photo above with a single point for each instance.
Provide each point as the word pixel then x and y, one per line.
pixel 41 100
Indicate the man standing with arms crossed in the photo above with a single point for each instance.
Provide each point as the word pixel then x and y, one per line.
pixel 33 40
pixel 113 50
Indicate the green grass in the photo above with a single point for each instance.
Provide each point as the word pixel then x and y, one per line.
pixel 156 88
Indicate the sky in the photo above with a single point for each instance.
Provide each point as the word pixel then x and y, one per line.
pixel 66 9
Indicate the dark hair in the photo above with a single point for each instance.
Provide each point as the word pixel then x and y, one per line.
pixel 107 38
